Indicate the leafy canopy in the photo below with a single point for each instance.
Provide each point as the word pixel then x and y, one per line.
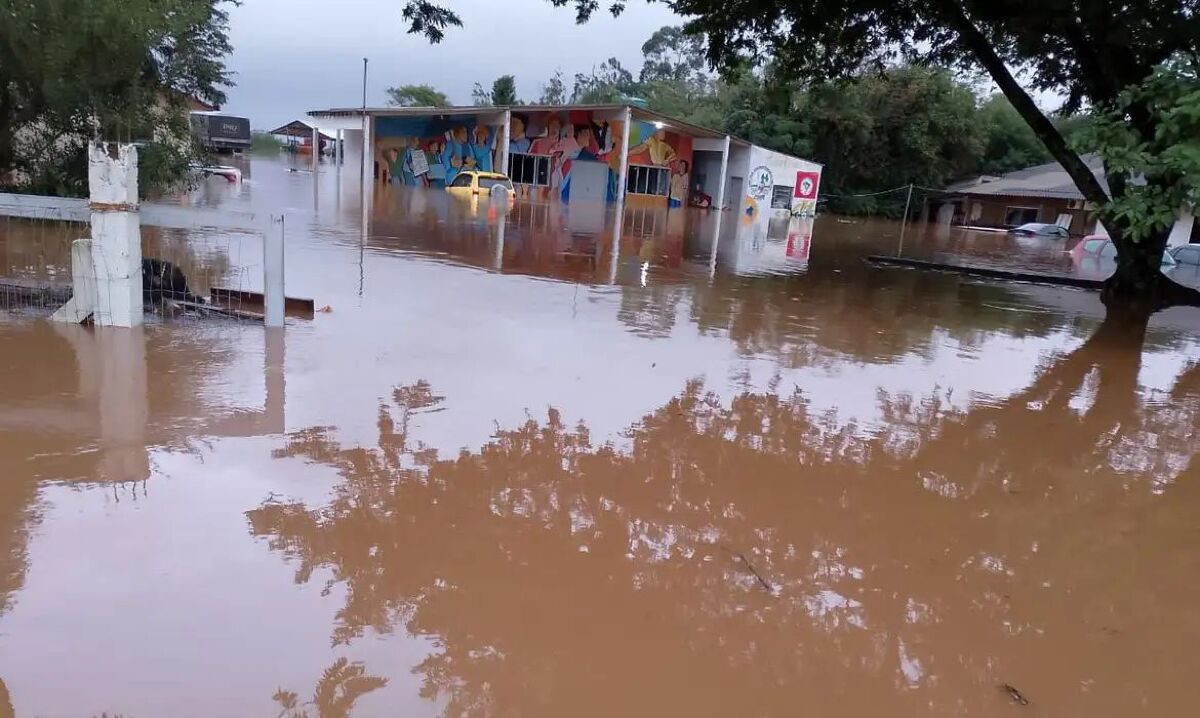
pixel 1165 168
pixel 417 96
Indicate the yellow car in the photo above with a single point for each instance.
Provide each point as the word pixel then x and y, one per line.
pixel 473 182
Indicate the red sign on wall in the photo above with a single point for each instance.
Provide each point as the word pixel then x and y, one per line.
pixel 807 184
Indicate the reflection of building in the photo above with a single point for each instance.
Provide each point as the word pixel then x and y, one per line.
pixel 579 153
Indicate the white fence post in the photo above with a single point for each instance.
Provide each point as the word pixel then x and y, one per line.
pixel 273 298
pixel 116 234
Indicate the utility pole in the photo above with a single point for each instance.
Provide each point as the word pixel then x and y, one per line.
pixel 904 221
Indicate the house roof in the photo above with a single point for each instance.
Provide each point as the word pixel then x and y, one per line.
pixel 1046 181
pixel 298 128
pixel 639 113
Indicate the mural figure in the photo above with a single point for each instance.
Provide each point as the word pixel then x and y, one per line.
pixel 481 148
pixel 437 170
pixel 391 167
pixel 456 153
pixel 517 141
pixel 659 151
pixel 679 183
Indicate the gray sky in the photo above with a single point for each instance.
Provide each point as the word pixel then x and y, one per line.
pixel 291 56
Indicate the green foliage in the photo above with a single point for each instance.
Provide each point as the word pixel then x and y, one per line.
pixel 554 92
pixel 417 96
pixel 1151 177
pixel 610 82
pixel 113 69
pixel 265 143
pixel 504 91
pixel 480 97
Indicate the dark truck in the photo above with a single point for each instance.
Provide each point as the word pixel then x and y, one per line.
pixel 221 133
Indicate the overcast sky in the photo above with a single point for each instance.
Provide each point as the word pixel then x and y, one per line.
pixel 291 56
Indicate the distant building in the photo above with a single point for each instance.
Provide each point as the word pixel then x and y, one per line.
pixel 573 153
pixel 1045 193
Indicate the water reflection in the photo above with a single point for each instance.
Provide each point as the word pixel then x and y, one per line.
pixel 725 555
pixel 340 687
pixel 84 405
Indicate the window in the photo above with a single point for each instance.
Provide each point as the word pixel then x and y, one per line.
pixel 781 197
pixel 648 180
pixel 1188 255
pixel 488 183
pixel 1092 246
pixel 529 169
pixel 1014 216
pixel 1109 251
pixel 463 180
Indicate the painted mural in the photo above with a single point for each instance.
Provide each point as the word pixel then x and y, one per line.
pixel 544 149
pixel 431 151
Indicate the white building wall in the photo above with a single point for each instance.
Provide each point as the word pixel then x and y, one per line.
pixel 764 170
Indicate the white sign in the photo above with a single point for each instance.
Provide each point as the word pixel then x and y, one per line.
pixel 416 160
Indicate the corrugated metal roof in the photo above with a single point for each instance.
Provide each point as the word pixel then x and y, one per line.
pixel 1046 181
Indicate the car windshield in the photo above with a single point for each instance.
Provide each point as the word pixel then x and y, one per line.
pixel 490 182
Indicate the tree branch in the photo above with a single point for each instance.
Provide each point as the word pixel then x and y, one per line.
pixel 979 46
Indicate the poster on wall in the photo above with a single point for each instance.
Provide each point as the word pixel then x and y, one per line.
pixel 761 182
pixel 420 164
pixel 804 202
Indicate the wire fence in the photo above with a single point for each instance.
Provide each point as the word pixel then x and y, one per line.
pixel 192 273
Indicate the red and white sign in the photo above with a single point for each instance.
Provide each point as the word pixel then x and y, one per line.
pixel 807 184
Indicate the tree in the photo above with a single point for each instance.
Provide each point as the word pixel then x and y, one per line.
pixel 116 69
pixel 417 96
pixel 504 91
pixel 554 92
pixel 608 83
pixel 1091 52
pixel 480 97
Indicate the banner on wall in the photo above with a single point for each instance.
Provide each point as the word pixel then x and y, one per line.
pixel 807 184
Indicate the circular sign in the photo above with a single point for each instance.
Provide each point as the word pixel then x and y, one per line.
pixel 806 187
pixel 761 181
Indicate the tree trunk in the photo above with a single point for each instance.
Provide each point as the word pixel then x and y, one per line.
pixel 1138 284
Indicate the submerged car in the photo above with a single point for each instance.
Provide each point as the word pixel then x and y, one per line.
pixel 1040 229
pixel 474 182
pixel 1096 256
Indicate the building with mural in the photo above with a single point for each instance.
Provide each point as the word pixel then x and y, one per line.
pixel 578 153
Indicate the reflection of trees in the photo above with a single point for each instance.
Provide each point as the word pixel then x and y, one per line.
pixel 340 687
pixel 915 562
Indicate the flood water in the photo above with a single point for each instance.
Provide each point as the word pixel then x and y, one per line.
pixel 530 464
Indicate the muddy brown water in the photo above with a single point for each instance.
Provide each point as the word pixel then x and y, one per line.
pixel 516 472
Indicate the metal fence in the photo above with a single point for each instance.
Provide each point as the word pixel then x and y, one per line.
pixel 194 263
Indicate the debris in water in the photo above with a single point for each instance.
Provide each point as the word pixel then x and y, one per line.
pixel 1014 694
pixel 740 557
pixel 325 309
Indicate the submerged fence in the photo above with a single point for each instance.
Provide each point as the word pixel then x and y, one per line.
pixel 109 258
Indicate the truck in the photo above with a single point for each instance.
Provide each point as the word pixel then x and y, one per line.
pixel 221 133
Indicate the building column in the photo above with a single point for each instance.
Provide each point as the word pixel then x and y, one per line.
pixel 368 166
pixel 720 199
pixel 316 148
pixel 623 172
pixel 339 154
pixel 503 139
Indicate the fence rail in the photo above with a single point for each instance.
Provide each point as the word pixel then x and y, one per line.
pixel 42 262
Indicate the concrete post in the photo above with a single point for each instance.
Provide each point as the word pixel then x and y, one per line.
pixel 505 138
pixel 116 234
pixel 273 289
pixel 316 148
pixel 339 153
pixel 83 286
pixel 623 173
pixel 368 167
pixel 720 201
pixel 615 244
